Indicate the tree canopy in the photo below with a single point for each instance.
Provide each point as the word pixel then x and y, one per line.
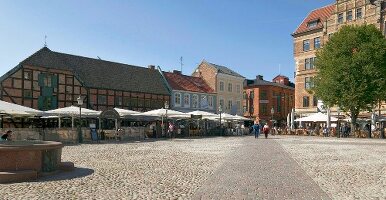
pixel 352 69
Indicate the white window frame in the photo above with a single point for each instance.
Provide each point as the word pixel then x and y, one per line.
pixel 230 87
pixel 238 89
pixel 187 105
pixel 222 105
pixel 195 101
pixel 177 104
pixel 230 104
pixel 221 84
pixel 210 101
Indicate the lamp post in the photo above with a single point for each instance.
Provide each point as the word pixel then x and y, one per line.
pixel 80 135
pixel 272 112
pixel 338 124
pixel 220 111
pixel 166 112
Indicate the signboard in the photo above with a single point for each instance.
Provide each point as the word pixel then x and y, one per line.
pixel 110 114
pixel 321 106
pixel 196 116
pixel 264 101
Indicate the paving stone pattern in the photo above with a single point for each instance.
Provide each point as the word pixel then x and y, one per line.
pixel 260 169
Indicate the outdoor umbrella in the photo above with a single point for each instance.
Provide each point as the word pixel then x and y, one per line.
pixel 205 115
pixel 17 110
pixel 317 117
pixel 124 112
pixel 72 111
pixel 164 113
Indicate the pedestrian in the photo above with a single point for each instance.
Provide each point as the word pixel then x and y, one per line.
pixel 266 130
pixel 7 136
pixel 325 131
pixel 171 129
pixel 256 130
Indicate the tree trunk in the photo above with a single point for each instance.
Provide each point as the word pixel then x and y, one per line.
pixel 354 116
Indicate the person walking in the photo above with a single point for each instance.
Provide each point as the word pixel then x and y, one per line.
pixel 266 130
pixel 7 136
pixel 256 130
pixel 325 131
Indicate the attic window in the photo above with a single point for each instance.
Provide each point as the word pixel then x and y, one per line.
pixel 312 24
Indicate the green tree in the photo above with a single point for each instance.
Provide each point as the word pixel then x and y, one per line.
pixel 352 70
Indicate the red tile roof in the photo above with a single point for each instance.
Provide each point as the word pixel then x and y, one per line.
pixel 178 81
pixel 320 15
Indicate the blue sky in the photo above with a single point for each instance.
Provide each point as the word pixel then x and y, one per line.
pixel 250 36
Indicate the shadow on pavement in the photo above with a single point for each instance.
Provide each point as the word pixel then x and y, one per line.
pixel 76 173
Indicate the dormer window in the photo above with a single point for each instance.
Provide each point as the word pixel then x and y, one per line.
pixel 312 24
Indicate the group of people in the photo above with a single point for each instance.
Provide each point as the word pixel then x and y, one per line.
pixel 255 129
pixel 6 136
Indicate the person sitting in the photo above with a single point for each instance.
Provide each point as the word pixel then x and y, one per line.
pixel 7 136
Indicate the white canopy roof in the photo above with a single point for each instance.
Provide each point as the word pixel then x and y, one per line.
pixel 124 112
pixel 317 117
pixel 241 118
pixel 73 111
pixel 15 109
pixel 162 113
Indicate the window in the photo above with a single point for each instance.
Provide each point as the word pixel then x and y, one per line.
pixel 306 101
pixel 102 99
pixel 245 95
pixel 263 109
pixel 306 45
pixel 238 104
pixel 27 94
pixel 252 95
pixel 230 103
pixel 204 101
pixel 312 24
pixel 315 101
pixel 126 101
pixel 349 16
pixel 309 63
pixel 222 103
pixel 317 43
pixel 118 101
pixel 263 95
pixel 177 99
pixel 238 89
pixel 221 86
pixel 186 100
pixel 27 75
pixel 340 18
pixel 309 82
pixel 47 80
pixel 358 14
pixel 195 101
pixel 229 87
pixel 210 101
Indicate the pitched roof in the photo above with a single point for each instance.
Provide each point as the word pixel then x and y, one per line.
pixel 96 73
pixel 259 82
pixel 319 15
pixel 178 81
pixel 223 69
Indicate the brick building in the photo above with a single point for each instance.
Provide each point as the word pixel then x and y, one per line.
pixel 261 96
pixel 47 80
pixel 190 93
pixel 315 31
pixel 226 83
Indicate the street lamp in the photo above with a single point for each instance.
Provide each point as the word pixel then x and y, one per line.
pixel 166 112
pixel 80 103
pixel 272 112
pixel 338 124
pixel 220 111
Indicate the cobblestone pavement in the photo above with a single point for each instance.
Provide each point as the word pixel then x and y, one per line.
pixel 283 167
pixel 346 168
pixel 260 169
pixel 165 169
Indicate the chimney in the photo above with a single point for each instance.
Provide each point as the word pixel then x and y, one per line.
pixel 176 72
pixel 259 77
pixel 151 67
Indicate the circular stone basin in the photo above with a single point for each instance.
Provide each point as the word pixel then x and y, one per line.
pixel 39 156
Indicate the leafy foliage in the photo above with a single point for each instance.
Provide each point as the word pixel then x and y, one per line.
pixel 352 69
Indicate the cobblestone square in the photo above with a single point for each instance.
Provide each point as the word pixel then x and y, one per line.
pixel 281 167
